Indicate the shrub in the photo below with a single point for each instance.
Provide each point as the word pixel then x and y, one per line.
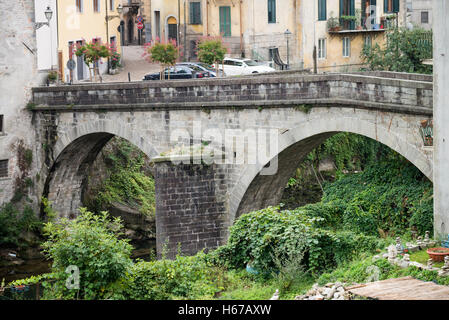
pixel 91 243
pixel 182 278
pixel 257 236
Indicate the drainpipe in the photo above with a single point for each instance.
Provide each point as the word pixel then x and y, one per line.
pixel 241 30
pixel 107 33
pixel 207 17
pixel 185 31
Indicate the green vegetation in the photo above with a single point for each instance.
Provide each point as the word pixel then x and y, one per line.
pixel 127 183
pixel 14 223
pixel 404 51
pixel 422 257
pixel 376 195
pixel 91 243
pixel 359 271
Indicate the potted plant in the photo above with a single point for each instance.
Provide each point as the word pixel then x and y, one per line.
pixel 348 21
pixel 52 77
pixel 333 24
pixel 438 254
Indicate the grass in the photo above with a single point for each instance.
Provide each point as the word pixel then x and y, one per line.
pixel 422 257
pixel 244 286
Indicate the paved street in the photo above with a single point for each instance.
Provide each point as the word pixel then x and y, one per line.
pixel 134 63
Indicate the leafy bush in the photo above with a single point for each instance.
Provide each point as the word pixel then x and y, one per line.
pixel 257 236
pixel 181 278
pixel 404 51
pixel 91 243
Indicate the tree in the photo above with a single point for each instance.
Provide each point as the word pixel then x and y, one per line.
pixel 211 50
pixel 165 53
pixel 92 52
pixel 404 51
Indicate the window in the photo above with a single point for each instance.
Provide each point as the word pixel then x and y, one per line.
pixel 96 5
pixel 112 5
pixel 391 6
pixel 369 13
pixel 225 21
pixel 346 47
pixel 424 17
pixel 322 10
pixel 321 48
pixel 79 5
pixel 347 8
pixel 195 12
pixel 368 42
pixel 1 124
pixel 271 11
pixel 3 168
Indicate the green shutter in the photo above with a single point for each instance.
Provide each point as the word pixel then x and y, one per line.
pixel 271 11
pixel 385 6
pixel 225 21
pixel 395 5
pixel 322 10
pixel 195 13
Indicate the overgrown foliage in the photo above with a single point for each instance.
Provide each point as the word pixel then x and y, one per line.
pixel 404 51
pixel 257 237
pixel 14 223
pixel 127 183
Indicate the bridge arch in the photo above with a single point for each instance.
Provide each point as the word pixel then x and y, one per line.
pixel 75 151
pixel 253 191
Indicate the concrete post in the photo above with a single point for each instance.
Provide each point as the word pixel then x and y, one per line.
pixel 441 117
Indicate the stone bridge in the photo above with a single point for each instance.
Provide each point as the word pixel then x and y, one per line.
pixel 197 202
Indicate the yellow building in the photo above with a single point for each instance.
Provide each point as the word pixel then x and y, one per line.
pixel 82 21
pixel 359 22
pixel 250 28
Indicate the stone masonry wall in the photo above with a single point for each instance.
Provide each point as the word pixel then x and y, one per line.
pixel 189 210
pixel 18 74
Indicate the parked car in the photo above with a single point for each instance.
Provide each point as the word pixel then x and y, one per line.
pixel 235 67
pixel 205 67
pixel 179 72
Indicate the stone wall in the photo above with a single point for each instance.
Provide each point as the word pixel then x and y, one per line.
pixel 18 74
pixel 388 94
pixel 190 211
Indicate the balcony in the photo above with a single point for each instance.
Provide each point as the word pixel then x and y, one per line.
pixel 358 24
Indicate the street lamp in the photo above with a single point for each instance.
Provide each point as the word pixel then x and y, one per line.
pixel 37 25
pixel 48 15
pixel 287 34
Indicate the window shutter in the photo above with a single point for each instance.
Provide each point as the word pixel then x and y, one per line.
pixel 385 6
pixel 191 13
pixel 395 5
pixel 322 10
pixel 342 8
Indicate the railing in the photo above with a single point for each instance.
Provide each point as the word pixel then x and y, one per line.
pixel 425 40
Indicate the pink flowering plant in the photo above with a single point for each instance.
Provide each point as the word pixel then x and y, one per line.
pixel 211 50
pixel 164 53
pixel 92 53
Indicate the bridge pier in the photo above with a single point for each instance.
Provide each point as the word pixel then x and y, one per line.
pixel 191 212
pixel 441 117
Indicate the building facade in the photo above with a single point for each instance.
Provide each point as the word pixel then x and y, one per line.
pixel 81 21
pixel 46 36
pixel 340 29
pixel 419 13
